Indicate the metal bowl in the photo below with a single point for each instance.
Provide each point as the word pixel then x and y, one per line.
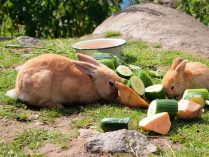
pixel 104 45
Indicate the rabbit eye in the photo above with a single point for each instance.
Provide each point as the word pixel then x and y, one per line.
pixel 172 87
pixel 111 83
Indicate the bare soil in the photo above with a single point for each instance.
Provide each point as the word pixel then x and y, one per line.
pixel 10 128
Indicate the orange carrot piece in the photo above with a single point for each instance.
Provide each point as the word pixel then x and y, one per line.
pixel 129 97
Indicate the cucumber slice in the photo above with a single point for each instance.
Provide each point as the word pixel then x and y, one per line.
pixel 99 56
pixel 157 74
pixel 108 62
pixel 137 85
pixel 145 79
pixel 155 92
pixel 191 92
pixel 111 124
pixel 163 105
pixel 124 71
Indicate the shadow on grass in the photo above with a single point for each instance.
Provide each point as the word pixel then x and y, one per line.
pixel 178 124
pixel 129 59
pixel 70 109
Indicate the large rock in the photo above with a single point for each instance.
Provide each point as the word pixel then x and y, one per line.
pixel 29 41
pixel 120 141
pixel 158 24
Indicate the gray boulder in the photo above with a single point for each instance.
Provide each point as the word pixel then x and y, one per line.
pixel 120 141
pixel 29 41
pixel 154 23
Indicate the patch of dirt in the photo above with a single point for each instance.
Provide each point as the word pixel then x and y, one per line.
pixel 159 24
pixel 163 142
pixel 76 148
pixel 10 128
pixel 62 124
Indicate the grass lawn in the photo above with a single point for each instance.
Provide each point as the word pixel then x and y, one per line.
pixel 193 135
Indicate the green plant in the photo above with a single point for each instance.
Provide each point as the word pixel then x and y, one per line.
pixel 111 34
pixel 55 18
pixel 197 8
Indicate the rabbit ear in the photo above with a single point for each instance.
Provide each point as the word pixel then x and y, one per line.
pixel 86 68
pixel 181 66
pixel 88 59
pixel 176 62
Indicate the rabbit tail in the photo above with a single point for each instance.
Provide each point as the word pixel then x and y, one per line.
pixel 12 94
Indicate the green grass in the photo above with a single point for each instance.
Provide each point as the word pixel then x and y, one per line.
pixel 111 34
pixel 32 139
pixel 192 135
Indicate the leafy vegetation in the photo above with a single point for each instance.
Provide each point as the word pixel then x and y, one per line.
pixel 55 18
pixel 197 8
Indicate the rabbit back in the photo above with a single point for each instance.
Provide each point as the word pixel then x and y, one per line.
pixel 197 75
pixel 54 78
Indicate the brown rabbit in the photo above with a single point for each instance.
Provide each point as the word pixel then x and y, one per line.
pixel 50 80
pixel 184 75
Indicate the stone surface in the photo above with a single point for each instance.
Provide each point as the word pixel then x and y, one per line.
pixel 159 24
pixel 120 141
pixel 29 41
pixel 167 3
pixel 86 133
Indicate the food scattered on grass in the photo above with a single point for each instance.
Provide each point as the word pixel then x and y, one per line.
pixel 157 74
pixel 189 110
pixel 163 105
pixel 106 59
pixel 99 56
pixel 124 71
pixel 155 92
pixel 137 85
pixel 112 124
pixel 108 62
pixel 129 97
pixel 191 92
pixel 145 78
pixel 159 123
pixel 198 99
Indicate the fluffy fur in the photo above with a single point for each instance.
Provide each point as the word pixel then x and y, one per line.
pixel 50 80
pixel 184 75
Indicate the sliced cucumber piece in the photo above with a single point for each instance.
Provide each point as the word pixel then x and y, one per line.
pixel 111 124
pixel 137 85
pixel 163 105
pixel 191 92
pixel 108 62
pixel 99 56
pixel 155 92
pixel 124 71
pixel 145 78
